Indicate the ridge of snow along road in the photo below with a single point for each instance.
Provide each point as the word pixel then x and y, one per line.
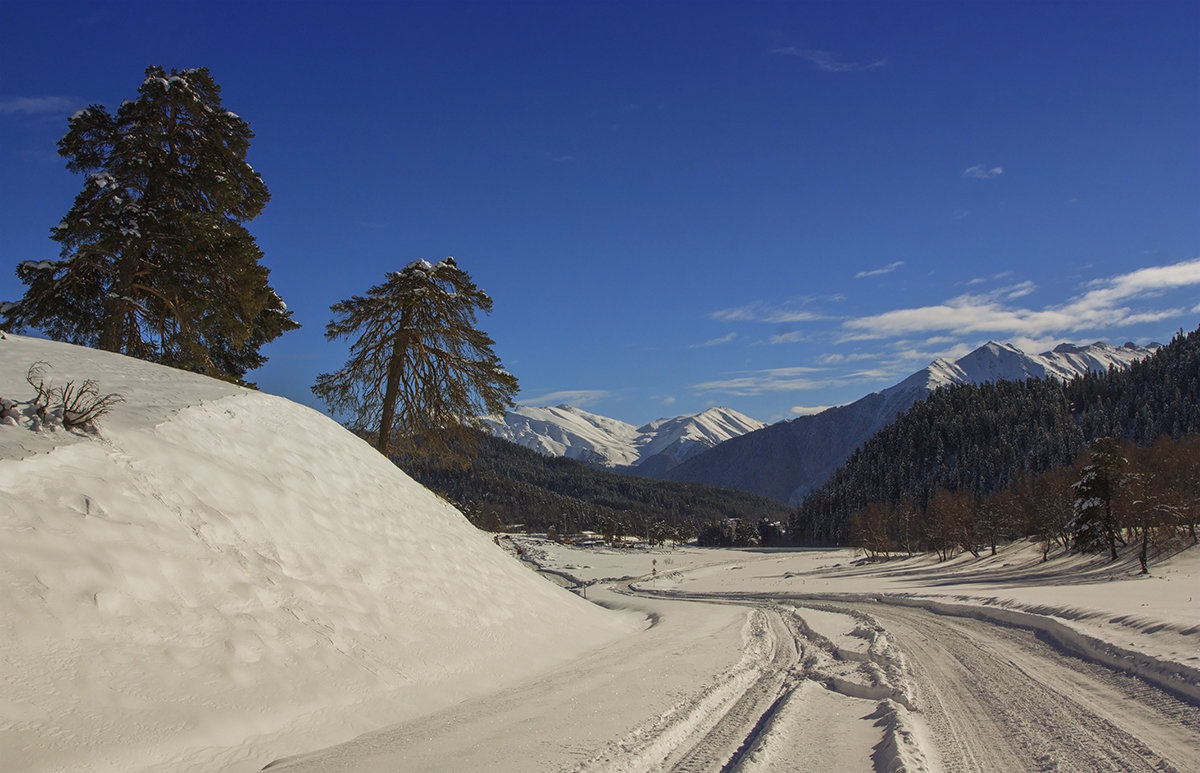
pixel 219 577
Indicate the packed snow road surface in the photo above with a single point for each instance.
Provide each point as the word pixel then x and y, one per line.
pixel 771 683
pixel 999 698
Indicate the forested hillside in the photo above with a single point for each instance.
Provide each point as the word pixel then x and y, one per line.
pixel 507 484
pixel 980 439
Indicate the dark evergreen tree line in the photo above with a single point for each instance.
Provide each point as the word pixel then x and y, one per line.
pixel 509 484
pixel 977 440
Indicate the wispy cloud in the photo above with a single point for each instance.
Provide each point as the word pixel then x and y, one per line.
pixel 837 358
pixel 827 61
pixel 37 105
pixel 762 312
pixel 757 382
pixel 715 341
pixel 787 337
pixel 1105 303
pixel 580 398
pixel 981 172
pixel 889 268
pixel 983 279
pixel 808 410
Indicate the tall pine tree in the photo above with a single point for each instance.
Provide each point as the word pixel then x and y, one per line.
pixel 420 373
pixel 155 260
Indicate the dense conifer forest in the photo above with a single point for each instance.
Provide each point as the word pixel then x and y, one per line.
pixel 972 441
pixel 507 484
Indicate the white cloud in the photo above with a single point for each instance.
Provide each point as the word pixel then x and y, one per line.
pixel 889 268
pixel 1018 290
pixel 1104 304
pixel 981 172
pixel 580 398
pixel 982 279
pixel 827 61
pixel 36 105
pixel 808 410
pixel 715 341
pixel 835 358
pixel 761 312
pixel 751 383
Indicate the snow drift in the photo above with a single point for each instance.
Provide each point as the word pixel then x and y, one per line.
pixel 218 577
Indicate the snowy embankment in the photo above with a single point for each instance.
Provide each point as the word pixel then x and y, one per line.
pixel 218 578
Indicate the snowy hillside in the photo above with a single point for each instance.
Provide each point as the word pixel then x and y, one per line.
pixel 789 459
pixel 220 577
pixel 1004 362
pixel 572 432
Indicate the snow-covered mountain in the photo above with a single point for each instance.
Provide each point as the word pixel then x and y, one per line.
pixel 788 459
pixel 653 448
pixel 219 577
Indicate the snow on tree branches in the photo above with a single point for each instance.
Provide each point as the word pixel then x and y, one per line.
pixel 420 373
pixel 155 262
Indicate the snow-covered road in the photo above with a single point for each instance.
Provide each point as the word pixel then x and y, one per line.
pixel 772 682
pixel 999 698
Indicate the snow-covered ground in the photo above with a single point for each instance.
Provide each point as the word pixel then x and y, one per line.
pixel 223 580
pixel 221 577
pixel 906 638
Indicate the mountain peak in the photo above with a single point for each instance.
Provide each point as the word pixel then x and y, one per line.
pixel 572 432
pixel 788 459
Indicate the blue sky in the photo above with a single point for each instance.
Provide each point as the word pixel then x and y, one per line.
pixel 769 206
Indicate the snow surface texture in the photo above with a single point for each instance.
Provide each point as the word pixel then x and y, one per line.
pixel 572 432
pixel 219 577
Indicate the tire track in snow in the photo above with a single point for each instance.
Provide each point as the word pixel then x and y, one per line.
pixel 723 745
pixel 734 723
pixel 1000 699
pixel 993 696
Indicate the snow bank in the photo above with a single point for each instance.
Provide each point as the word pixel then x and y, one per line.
pixel 220 577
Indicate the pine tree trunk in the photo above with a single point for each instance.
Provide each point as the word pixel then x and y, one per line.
pixel 113 329
pixel 1142 557
pixel 391 392
pixel 1110 530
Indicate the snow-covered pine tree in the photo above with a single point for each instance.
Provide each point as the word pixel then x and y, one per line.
pixel 1095 523
pixel 420 373
pixel 155 262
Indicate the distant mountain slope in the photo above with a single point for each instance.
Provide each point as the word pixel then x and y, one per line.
pixel 789 459
pixel 981 438
pixel 602 442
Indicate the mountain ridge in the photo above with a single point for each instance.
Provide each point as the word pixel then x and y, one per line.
pixel 789 459
pixel 651 449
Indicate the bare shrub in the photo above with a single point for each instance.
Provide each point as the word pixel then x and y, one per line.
pixel 45 394
pixel 83 404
